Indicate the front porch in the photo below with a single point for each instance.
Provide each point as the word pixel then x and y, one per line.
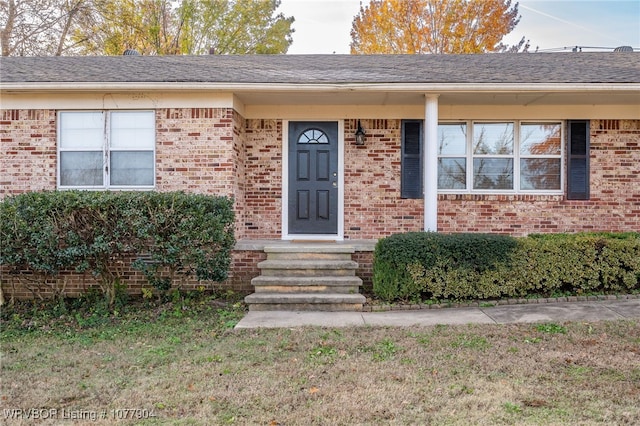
pixel 260 244
pixel 303 274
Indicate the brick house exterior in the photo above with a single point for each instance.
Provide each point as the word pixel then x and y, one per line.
pixel 223 125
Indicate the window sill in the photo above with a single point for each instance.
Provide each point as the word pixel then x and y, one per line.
pixel 103 188
pixel 507 196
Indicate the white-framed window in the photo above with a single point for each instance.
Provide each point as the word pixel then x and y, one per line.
pixel 497 157
pixel 452 156
pixel 106 149
pixel 541 156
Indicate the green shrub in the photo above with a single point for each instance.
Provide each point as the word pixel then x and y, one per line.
pixel 189 235
pixel 31 227
pixel 179 235
pixel 392 277
pixel 479 266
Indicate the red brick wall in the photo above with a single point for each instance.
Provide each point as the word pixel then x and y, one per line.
pixel 239 169
pixel 27 151
pixel 373 206
pixel 365 269
pixel 73 284
pixel 263 181
pixel 217 151
pixel 195 150
pixel 614 204
pixel 68 284
pixel 244 267
pixel 372 203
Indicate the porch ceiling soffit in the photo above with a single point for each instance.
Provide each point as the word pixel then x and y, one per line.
pixel 524 98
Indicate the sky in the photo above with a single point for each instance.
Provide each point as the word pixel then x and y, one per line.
pixel 323 26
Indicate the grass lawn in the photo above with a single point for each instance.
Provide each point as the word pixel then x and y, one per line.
pixel 181 362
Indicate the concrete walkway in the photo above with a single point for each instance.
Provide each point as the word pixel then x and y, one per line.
pixel 501 314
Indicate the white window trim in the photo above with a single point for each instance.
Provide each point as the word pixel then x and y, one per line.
pixel 106 150
pixel 515 156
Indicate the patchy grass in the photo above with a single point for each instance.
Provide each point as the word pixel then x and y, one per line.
pixel 185 364
pixel 551 328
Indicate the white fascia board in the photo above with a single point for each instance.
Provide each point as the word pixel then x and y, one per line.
pixel 135 99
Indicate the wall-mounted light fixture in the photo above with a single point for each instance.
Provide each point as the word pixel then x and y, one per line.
pixel 360 134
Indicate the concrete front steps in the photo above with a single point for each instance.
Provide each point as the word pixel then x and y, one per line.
pixel 307 277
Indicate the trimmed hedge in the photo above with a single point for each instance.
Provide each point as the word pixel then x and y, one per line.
pixel 422 266
pixel 174 236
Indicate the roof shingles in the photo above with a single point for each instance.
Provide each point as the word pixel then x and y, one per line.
pixel 616 67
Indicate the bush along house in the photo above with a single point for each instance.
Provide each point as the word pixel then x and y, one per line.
pixel 325 154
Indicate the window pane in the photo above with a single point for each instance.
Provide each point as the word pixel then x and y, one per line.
pixel 540 139
pixel 81 130
pixel 493 138
pixel 81 168
pixel 313 136
pixel 492 173
pixel 452 173
pixel 540 173
pixel 132 168
pixel 452 139
pixel 133 130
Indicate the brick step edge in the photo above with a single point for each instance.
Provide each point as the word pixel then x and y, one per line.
pixel 328 280
pixel 308 264
pixel 304 298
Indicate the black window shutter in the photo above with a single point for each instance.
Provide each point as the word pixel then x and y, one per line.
pixel 411 185
pixel 578 160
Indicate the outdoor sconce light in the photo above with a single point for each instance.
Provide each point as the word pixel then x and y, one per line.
pixel 360 134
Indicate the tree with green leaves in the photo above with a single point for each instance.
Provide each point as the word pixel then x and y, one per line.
pixel 112 26
pixel 151 27
pixel 192 27
pixel 234 27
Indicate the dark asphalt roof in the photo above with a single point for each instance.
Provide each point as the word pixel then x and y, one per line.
pixel 584 67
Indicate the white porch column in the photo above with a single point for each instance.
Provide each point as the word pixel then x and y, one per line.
pixel 430 163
